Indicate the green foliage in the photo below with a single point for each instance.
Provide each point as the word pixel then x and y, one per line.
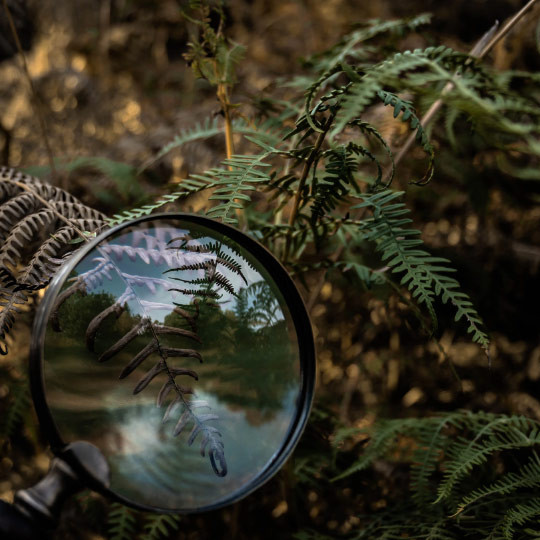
pixel 159 526
pixel 127 524
pixel 232 183
pixel 121 522
pixel 326 176
pixel 265 131
pixel 424 275
pixel 468 468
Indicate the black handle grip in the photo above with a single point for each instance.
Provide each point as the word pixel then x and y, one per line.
pixel 36 510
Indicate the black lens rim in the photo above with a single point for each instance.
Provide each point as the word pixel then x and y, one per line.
pixel 300 319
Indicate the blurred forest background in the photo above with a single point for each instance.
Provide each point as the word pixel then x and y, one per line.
pixel 112 82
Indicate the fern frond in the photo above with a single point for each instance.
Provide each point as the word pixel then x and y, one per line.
pixel 520 515
pixel 328 192
pixel 16 208
pixel 364 90
pixel 346 49
pixel 233 183
pixel 528 476
pixel 380 441
pixel 46 259
pixel 369 130
pixel 210 128
pixel 465 455
pixel 432 440
pixel 338 59
pixel 266 131
pixel 159 526
pixel 121 522
pixel 424 275
pixel 29 228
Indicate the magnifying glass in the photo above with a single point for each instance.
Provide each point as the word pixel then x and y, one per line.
pixel 172 364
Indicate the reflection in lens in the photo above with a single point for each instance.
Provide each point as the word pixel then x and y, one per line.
pixel 172 349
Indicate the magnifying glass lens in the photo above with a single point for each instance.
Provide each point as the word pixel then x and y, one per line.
pixel 173 346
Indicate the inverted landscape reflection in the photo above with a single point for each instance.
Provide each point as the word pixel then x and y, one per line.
pixel 172 349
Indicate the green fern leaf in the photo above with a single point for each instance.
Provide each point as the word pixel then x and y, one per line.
pixel 159 526
pixel 121 522
pixel 520 515
pixel 233 184
pixel 381 439
pixel 208 129
pixel 369 130
pixel 340 167
pixel 503 433
pixel 338 59
pixel 424 275
pixel 528 476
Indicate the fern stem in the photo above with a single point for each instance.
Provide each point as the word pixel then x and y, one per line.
pixel 35 100
pixel 305 173
pixel 223 97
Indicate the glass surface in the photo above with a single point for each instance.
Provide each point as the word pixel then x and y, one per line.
pixel 171 348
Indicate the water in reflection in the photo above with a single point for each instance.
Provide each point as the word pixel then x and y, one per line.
pixel 191 320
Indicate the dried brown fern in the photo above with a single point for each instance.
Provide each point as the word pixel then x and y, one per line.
pixel 38 223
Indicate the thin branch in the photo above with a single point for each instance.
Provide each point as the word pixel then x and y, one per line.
pixel 506 28
pixel 35 100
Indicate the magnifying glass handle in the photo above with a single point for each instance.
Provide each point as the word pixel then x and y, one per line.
pixel 35 511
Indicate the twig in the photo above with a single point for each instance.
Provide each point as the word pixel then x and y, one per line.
pixel 35 100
